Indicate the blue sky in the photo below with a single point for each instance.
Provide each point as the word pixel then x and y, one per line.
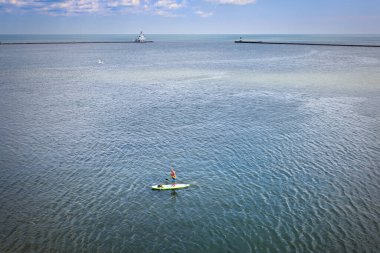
pixel 190 16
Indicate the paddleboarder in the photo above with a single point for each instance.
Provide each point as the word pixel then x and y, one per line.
pixel 173 175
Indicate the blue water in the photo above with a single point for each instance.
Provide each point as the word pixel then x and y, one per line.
pixel 280 143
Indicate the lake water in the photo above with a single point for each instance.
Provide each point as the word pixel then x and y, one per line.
pixel 280 143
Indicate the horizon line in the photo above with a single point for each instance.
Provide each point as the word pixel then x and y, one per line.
pixel 191 33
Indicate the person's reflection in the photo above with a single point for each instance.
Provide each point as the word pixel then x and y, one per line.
pixel 174 193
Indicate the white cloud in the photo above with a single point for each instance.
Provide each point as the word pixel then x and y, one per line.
pixel 17 2
pixel 20 2
pixel 86 6
pixel 204 14
pixel 54 8
pixel 123 3
pixel 165 13
pixel 72 6
pixel 167 8
pixel 169 4
pixel 235 2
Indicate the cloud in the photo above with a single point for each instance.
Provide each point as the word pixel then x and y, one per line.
pixel 14 2
pixel 81 6
pixel 169 4
pixel 234 2
pixel 165 13
pixel 60 7
pixel 68 7
pixel 123 3
pixel 204 14
pixel 20 3
pixel 167 8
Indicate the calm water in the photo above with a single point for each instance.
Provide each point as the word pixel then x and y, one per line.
pixel 280 143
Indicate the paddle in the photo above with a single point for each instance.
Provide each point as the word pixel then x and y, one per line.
pixel 168 180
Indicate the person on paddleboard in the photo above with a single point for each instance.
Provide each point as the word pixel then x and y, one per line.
pixel 173 175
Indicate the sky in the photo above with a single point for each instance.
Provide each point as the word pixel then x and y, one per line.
pixel 190 16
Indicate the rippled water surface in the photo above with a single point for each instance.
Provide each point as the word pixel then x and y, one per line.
pixel 281 145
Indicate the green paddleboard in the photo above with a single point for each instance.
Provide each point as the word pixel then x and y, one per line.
pixel 169 186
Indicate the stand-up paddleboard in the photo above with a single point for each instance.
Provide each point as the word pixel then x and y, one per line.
pixel 169 186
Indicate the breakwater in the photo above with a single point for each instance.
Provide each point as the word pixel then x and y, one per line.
pixel 305 44
pixel 71 42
